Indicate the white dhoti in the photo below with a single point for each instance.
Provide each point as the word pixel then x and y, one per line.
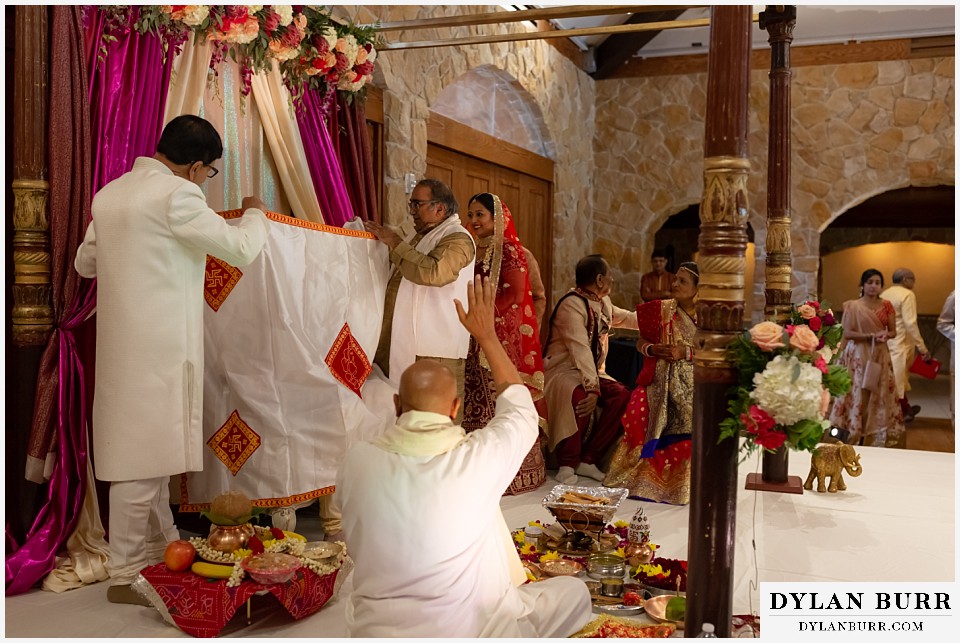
pixel 555 608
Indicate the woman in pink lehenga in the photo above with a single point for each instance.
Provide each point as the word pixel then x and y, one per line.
pixel 500 257
pixel 872 418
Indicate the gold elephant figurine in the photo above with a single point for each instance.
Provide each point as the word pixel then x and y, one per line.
pixel 831 460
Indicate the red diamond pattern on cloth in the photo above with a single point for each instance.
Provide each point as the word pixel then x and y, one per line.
pixel 347 361
pixel 219 279
pixel 201 607
pixel 234 442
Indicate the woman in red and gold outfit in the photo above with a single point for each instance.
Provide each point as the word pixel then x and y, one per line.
pixel 500 257
pixel 653 458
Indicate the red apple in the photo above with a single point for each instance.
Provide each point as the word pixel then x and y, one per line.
pixel 179 555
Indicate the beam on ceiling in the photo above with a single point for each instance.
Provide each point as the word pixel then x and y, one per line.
pixel 619 48
pixel 851 52
pixel 541 35
pixel 498 17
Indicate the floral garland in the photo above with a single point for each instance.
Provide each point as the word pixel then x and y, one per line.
pixel 267 539
pixel 787 379
pixel 312 50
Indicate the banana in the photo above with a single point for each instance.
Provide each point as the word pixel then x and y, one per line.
pixel 211 570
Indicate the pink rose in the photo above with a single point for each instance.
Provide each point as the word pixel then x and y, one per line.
pixel 814 304
pixel 807 311
pixel 821 364
pixel 767 336
pixel 815 324
pixel 804 339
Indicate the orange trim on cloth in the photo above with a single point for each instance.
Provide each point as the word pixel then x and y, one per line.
pixel 300 223
pixel 267 503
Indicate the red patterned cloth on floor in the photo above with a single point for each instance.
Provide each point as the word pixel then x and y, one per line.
pixel 202 607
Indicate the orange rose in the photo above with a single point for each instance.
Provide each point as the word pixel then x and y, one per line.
pixel 807 311
pixel 804 339
pixel 767 336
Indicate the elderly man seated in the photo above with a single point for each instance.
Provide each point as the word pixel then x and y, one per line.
pixel 421 512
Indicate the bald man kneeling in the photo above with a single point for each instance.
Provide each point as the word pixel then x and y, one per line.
pixel 421 511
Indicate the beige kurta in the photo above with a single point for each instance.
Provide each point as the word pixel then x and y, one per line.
pixel 147 246
pixel 419 318
pixel 569 361
pixel 908 339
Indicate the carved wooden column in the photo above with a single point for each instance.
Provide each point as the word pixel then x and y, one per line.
pixel 779 21
pixel 722 263
pixel 32 314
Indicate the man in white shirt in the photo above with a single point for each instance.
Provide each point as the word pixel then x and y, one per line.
pixel 902 347
pixel 421 512
pixel 147 246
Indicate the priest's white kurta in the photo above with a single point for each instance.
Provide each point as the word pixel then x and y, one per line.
pixel 426 533
pixel 147 247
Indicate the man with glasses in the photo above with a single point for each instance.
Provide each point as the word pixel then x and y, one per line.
pixel 147 246
pixel 430 270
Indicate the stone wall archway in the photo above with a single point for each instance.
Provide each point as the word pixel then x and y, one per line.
pixel 491 100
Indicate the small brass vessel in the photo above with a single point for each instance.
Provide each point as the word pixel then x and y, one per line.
pixel 229 538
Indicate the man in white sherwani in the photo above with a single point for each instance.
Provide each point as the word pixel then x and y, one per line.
pixel 903 346
pixel 147 246
pixel 421 512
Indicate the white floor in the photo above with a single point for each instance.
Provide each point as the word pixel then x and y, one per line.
pixel 857 535
pixel 933 396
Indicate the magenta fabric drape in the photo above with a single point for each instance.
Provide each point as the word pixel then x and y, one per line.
pixel 326 172
pixel 121 112
pixel 348 128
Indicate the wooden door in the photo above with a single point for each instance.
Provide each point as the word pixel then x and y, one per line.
pixel 528 198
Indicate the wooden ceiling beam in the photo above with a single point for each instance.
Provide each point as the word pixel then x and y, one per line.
pixel 619 48
pixel 559 33
pixel 852 52
pixel 566 47
pixel 499 17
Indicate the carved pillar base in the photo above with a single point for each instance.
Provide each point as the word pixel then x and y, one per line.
pixel 32 314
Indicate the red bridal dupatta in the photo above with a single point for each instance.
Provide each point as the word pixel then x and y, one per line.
pixel 516 323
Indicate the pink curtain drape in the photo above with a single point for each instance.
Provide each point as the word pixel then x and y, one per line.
pixel 326 171
pixel 118 105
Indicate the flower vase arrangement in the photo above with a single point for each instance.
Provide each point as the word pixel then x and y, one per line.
pixel 787 378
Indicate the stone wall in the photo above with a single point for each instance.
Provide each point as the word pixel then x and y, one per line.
pixel 412 80
pixel 858 130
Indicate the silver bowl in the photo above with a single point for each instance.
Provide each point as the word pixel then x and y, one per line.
pixel 605 566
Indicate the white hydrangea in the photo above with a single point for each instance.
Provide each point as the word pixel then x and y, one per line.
pixel 787 400
pixel 330 35
pixel 254 8
pixel 285 11
pixel 195 14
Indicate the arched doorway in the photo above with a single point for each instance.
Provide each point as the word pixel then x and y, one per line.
pixel 911 228
pixel 678 237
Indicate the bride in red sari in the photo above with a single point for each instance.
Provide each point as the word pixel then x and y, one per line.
pixel 500 257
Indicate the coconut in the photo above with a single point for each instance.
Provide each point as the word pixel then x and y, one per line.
pixel 232 504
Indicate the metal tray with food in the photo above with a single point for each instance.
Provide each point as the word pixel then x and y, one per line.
pixel 577 507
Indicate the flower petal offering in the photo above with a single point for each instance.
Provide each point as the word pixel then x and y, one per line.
pixel 271 567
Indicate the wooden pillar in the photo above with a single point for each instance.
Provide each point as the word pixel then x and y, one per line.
pixel 32 315
pixel 722 263
pixel 778 22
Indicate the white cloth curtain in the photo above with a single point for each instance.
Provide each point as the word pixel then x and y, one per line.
pixel 264 359
pixel 283 134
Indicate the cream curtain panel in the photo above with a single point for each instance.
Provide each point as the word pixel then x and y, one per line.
pixel 280 127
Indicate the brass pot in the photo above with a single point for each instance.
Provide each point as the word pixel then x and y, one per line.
pixel 229 538
pixel 638 554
